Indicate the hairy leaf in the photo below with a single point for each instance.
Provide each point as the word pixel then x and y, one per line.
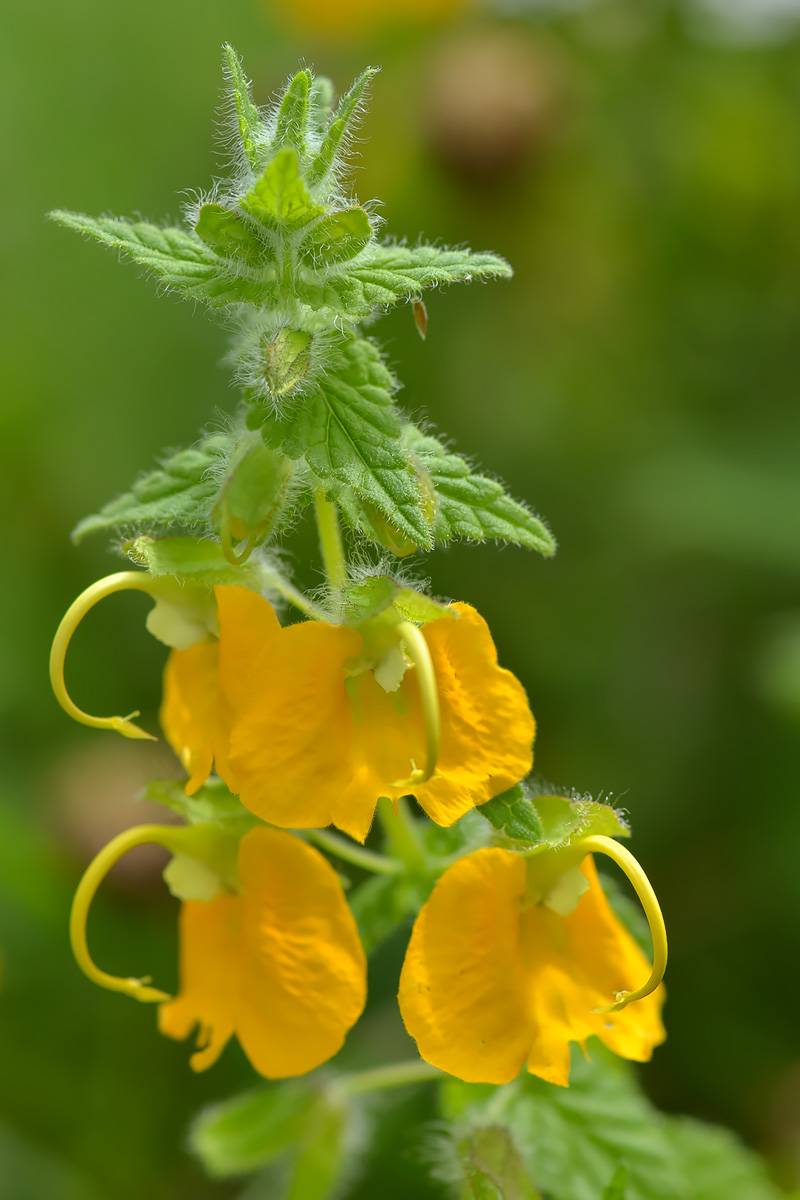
pixel 211 803
pixel 181 493
pixel 252 1129
pixel 279 198
pixel 336 238
pixel 179 259
pixel 339 127
pixel 348 430
pixel 574 1140
pixel 391 273
pixel 491 1167
pixel 529 819
pixel 473 506
pixel 254 494
pixel 197 559
pixel 228 235
pixel 247 115
pixel 293 113
pixel 374 594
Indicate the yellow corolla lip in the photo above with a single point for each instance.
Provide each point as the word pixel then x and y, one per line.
pixel 491 983
pixel 306 746
pixel 279 965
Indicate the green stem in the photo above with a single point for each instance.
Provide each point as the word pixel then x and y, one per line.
pixel 330 540
pixel 401 832
pixel 396 1075
pixel 342 848
pixel 296 598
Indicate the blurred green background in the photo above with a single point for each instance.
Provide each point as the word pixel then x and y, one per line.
pixel 636 382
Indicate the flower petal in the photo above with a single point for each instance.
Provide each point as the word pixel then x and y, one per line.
pixel 209 975
pixel 578 963
pixel 487 724
pixel 463 989
pixel 291 720
pixel 302 968
pixel 188 714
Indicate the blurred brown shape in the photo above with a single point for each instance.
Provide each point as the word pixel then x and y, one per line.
pixel 90 795
pixel 493 100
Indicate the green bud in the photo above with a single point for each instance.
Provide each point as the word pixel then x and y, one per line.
pixel 288 357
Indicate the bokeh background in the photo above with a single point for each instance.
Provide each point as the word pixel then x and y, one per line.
pixel 636 382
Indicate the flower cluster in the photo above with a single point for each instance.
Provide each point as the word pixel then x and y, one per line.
pixel 379 694
pixel 311 724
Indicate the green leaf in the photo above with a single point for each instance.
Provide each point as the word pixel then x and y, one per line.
pixel 180 493
pixel 293 113
pixel 179 259
pixel 473 506
pixel 247 115
pixel 716 1165
pixel 323 1152
pixel 191 558
pixel 340 127
pixel 617 1185
pixel 336 238
pixel 252 1129
pixel 574 1140
pixel 532 820
pixel 374 593
pixel 391 273
pixel 280 199
pixel 513 814
pixel 227 234
pixel 320 104
pixel 348 431
pixel 211 803
pixel 491 1166
pixel 254 494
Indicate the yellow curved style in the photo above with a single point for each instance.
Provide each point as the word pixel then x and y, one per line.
pixel 140 835
pixel 120 582
pixel 492 983
pixel 305 743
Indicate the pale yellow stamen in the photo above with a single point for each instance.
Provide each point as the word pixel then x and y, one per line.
pixel 141 835
pixel 597 844
pixel 120 582
pixel 420 655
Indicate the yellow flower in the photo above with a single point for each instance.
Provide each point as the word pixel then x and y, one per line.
pixel 273 957
pixel 303 731
pixel 496 976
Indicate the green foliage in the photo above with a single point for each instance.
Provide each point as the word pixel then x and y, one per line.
pixel 180 493
pixel 572 1141
pixel 196 559
pixel 336 238
pixel 348 431
pixel 210 803
pixel 247 115
pixel 374 593
pixel 228 235
pixel 180 260
pixel 302 1132
pixel 340 126
pixel 255 491
pixel 528 820
pixel 279 198
pixel 617 1185
pixel 473 506
pixel 491 1167
pixel 293 113
pixel 387 274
